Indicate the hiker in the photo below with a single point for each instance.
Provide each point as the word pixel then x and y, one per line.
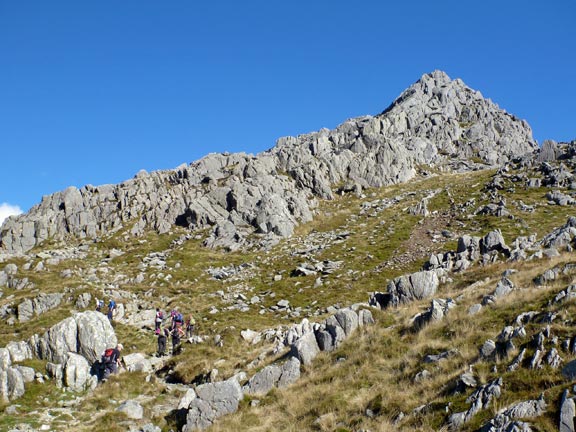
pixel 111 361
pixel 177 323
pixel 158 319
pixel 162 337
pixel 175 341
pixel 173 314
pixel 99 305
pixel 190 322
pixel 111 309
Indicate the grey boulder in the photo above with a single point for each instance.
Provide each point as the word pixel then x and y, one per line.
pixel 567 413
pixel 11 379
pixel 213 400
pixel 273 376
pixel 131 409
pixel 305 349
pixel 76 373
pixel 87 333
pixel 416 286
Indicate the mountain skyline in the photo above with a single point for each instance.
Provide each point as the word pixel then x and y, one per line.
pixel 437 121
pixel 93 94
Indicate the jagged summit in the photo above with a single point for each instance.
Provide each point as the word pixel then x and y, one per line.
pixel 459 119
pixel 247 200
pixel 435 121
pixel 439 78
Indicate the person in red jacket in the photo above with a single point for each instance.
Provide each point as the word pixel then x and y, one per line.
pixel 111 361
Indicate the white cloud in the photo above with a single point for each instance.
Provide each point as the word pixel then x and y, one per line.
pixel 8 210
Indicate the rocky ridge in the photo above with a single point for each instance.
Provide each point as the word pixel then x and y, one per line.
pixel 436 122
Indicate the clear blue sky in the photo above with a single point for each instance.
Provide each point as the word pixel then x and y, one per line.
pixel 93 91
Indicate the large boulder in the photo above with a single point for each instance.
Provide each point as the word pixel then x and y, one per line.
pixel 273 376
pixel 19 351
pixel 262 382
pixel 567 413
pixel 437 311
pixel 11 384
pixel 213 400
pixel 76 373
pixel 348 320
pixel 11 379
pixel 504 287
pixel 43 303
pixel 131 409
pixel 137 362
pixel 494 241
pixel 328 341
pixel 306 348
pixel 562 237
pixel 365 318
pixel 87 333
pixel 416 286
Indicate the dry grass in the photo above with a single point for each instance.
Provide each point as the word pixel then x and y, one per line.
pixel 376 370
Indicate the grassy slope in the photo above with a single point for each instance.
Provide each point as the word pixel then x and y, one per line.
pixel 372 371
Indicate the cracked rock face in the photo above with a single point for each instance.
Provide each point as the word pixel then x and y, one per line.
pixel 11 379
pixel 88 334
pixel 437 121
pixel 213 400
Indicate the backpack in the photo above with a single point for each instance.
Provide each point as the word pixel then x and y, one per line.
pixel 107 356
pixel 161 315
pixel 179 318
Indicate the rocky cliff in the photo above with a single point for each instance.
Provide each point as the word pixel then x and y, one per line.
pixel 256 200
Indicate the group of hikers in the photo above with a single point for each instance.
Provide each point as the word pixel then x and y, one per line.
pixel 111 308
pixel 177 329
pixel 173 326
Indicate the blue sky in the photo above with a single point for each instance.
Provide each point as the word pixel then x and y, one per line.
pixel 91 92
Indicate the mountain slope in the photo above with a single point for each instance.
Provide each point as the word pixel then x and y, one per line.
pixel 484 256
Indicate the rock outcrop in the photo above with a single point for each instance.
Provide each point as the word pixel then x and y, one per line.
pixel 567 413
pixel 437 121
pixel 273 376
pixel 11 378
pixel 437 311
pixel 71 347
pixel 88 334
pixel 213 400
pixel 207 402
pixel 508 418
pixel 407 288
pixel 38 305
pixel 308 341
pixel 76 373
pixel 479 400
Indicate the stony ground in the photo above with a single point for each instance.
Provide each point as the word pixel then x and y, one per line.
pixel 379 379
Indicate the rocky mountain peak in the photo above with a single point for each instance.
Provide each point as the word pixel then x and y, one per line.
pixel 458 120
pixel 436 121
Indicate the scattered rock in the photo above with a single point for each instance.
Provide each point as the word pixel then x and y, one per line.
pixel 132 409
